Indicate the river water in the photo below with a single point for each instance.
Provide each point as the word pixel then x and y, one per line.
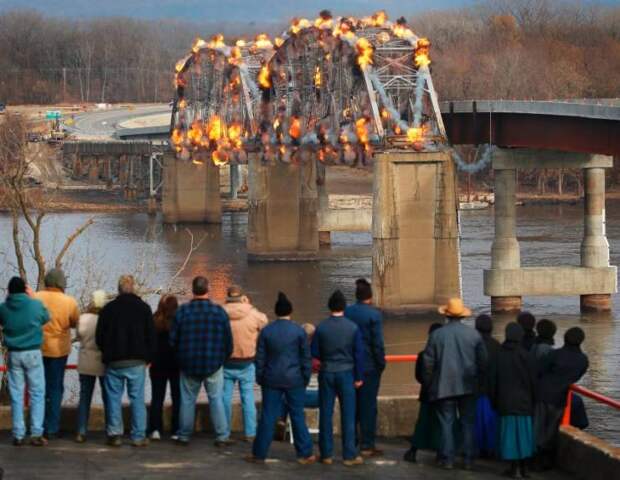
pixel 135 243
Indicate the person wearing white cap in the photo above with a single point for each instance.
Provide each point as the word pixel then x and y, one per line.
pixel 90 367
pixel 454 359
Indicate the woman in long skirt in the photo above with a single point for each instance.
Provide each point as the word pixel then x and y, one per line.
pixel 514 380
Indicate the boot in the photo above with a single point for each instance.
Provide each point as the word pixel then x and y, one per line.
pixel 410 455
pixel 512 472
pixel 523 469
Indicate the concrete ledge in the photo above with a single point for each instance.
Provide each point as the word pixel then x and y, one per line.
pixel 346 220
pixel 283 257
pixel 396 417
pixel 526 158
pixel 587 457
pixel 540 281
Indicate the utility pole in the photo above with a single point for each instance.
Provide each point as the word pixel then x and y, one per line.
pixel 64 84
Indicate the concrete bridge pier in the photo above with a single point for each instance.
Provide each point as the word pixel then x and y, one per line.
pixel 505 253
pixel 507 282
pixel 282 211
pixel 191 192
pixel 595 247
pixel 416 258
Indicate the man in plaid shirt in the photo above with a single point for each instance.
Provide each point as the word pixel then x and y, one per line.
pixel 202 339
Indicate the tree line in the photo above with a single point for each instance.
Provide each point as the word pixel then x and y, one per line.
pixel 509 49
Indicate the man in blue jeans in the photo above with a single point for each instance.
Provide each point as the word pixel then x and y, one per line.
pixel 337 344
pixel 455 359
pixel 370 322
pixel 22 319
pixel 126 337
pixel 246 322
pixel 202 339
pixel 283 369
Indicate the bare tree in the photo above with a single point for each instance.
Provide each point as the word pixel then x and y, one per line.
pixel 26 201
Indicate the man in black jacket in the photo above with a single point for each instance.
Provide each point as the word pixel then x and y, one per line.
pixel 126 337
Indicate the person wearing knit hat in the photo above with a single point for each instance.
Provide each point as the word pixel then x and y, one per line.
pixel 90 367
pixel 22 319
pixel 514 381
pixel 486 417
pixel 64 315
pixel 527 321
pixel 544 341
pixel 369 320
pixel 283 370
pixel 559 370
pixel 455 360
pixel 338 345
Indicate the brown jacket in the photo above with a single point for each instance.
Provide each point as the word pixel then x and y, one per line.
pixel 64 315
pixel 246 322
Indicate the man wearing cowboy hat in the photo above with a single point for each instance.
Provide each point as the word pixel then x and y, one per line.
pixel 454 359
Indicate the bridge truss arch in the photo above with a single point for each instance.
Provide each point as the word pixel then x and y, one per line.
pixel 340 88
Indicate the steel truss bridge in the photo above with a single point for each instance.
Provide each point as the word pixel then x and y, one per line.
pixel 334 88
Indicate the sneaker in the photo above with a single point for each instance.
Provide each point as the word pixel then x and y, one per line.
pixel 155 435
pixel 248 439
pixel 181 442
pixel 18 442
pixel 410 455
pixel 143 442
pixel 327 460
pixel 174 437
pixel 354 461
pixel 371 452
pixel 114 441
pixel 38 441
pixel 79 438
pixel 307 460
pixel 224 443
pixel 253 459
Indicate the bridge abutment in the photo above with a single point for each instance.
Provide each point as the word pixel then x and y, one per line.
pixel 191 192
pixel 416 258
pixel 282 211
pixel 507 282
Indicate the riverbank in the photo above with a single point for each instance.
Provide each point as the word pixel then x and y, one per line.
pixel 86 198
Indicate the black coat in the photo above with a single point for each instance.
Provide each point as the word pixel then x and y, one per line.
pixel 125 330
pixel 493 347
pixel 559 370
pixel 513 378
pixel 164 359
pixel 419 376
pixel 529 338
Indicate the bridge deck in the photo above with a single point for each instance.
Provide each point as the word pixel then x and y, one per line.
pixel 64 459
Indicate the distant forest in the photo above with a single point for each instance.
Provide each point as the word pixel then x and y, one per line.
pixel 510 49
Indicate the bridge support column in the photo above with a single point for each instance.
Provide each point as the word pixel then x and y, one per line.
pixel 595 247
pixel 325 236
pixel 191 192
pixel 507 282
pixel 282 211
pixel 416 258
pixel 505 253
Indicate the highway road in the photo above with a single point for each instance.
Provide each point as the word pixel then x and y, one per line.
pixel 103 123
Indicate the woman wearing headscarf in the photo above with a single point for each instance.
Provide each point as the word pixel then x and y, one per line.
pixel 514 380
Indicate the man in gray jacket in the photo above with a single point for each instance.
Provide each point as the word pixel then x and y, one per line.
pixel 454 359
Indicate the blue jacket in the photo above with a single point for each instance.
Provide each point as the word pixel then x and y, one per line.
pixel 283 356
pixel 370 322
pixel 201 337
pixel 337 343
pixel 22 319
